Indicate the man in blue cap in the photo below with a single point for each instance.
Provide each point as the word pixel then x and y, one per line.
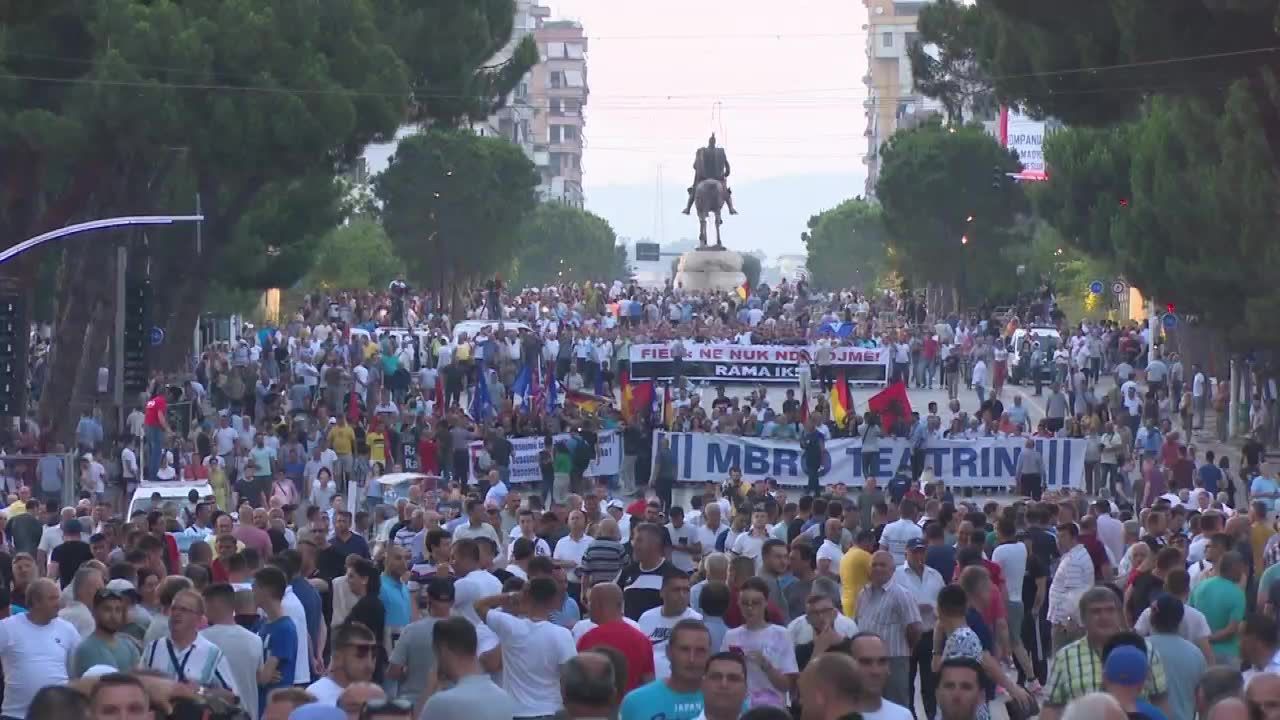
pixel 1124 673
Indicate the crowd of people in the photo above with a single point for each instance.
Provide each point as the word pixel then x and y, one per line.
pixel 288 585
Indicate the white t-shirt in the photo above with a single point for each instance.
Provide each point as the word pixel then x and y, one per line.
pixel 774 642
pixel 243 650
pixel 532 653
pixel 571 550
pixel 888 711
pixel 292 607
pixel 657 627
pixel 1012 559
pixel 681 538
pixel 748 545
pixel 33 656
pixel 707 537
pixel 895 537
pixel 831 552
pixel 326 691
pixel 584 626
pixel 1193 628
pixel 225 439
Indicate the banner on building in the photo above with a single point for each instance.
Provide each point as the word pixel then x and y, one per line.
pixel 985 462
pixel 726 362
pixel 524 457
pixel 1025 136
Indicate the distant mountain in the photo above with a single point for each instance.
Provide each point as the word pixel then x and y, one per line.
pixel 773 211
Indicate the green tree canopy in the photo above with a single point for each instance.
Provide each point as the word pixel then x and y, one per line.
pixel 847 245
pixel 356 255
pixel 452 202
pixel 558 243
pixel 948 203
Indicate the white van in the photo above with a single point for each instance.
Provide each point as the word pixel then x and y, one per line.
pixel 175 492
pixel 472 327
pixel 1048 338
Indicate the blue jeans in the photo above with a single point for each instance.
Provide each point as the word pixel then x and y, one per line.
pixel 155 449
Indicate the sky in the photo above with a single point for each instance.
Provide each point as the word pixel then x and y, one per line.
pixel 779 83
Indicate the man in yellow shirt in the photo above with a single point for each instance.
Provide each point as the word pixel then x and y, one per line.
pixel 342 440
pixel 855 570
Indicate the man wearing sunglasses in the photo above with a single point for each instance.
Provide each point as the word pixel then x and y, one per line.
pixel 353 661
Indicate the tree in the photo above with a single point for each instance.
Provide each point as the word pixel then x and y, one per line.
pixel 944 60
pixel 446 44
pixel 1098 63
pixel 452 202
pixel 356 255
pixel 847 245
pixel 948 203
pixel 558 243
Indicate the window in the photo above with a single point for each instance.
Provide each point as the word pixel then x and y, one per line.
pixel 522 90
pixel 569 133
pixel 912 38
pixel 555 107
pixel 886 39
pixel 555 50
pixel 573 51
pixel 556 79
pixel 555 134
pixel 573 78
pixel 570 107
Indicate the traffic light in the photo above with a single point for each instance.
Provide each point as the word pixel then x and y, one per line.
pixel 137 335
pixel 997 177
pixel 1169 308
pixel 14 334
pixel 1124 202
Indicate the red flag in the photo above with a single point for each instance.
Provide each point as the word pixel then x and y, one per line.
pixel 892 405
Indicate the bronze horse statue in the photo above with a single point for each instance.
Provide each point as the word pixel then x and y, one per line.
pixel 709 198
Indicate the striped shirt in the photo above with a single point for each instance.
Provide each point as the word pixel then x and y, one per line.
pixel 887 610
pixel 201 663
pixel 602 560
pixel 1074 576
pixel 1076 671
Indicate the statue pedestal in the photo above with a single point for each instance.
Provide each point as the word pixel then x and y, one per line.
pixel 710 270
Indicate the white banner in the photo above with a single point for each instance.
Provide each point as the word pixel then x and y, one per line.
pixel 524 457
pixel 702 457
pixel 726 362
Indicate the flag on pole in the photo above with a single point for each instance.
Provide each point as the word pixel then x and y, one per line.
pixel 585 401
pixel 668 409
pixel 892 405
pixel 841 404
pixel 523 385
pixel 624 383
pixel 744 290
pixel 641 399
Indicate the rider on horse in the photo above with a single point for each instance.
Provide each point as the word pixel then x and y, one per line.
pixel 711 162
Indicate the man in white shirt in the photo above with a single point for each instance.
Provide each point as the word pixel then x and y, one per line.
pixel 979 379
pixel 36 648
pixel 924 583
pixel 830 552
pixel 569 549
pixel 129 463
pixel 1072 579
pixel 533 647
pixel 1110 532
pixel 1199 396
pixel 656 623
pixel 898 533
pixel 750 544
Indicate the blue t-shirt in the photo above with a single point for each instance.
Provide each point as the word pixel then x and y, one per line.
pixel 656 701
pixel 279 640
pixel 1147 711
pixel 395 599
pixel 1210 477
pixel 312 605
pixel 1263 485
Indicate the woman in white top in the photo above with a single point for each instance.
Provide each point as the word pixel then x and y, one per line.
pixel 323 488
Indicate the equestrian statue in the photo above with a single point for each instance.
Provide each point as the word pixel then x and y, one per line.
pixel 710 189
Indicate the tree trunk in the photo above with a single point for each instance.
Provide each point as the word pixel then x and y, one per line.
pixel 85 290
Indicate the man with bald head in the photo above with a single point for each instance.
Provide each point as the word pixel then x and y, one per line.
pixel 889 610
pixel 587 687
pixel 829 688
pixel 356 696
pixel 1094 706
pixel 1262 695
pixel 1231 708
pixel 609 627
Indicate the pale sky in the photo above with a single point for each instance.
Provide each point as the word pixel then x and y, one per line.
pixel 780 83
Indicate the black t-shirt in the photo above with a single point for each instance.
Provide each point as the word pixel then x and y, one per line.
pixel 641 589
pixel 1252 452
pixel 790 406
pixel 1036 569
pixel 331 563
pixel 25 532
pixel 70 555
pixel 1144 586
pixel 501 452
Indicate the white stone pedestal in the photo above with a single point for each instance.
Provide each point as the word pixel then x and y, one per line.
pixel 710 270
